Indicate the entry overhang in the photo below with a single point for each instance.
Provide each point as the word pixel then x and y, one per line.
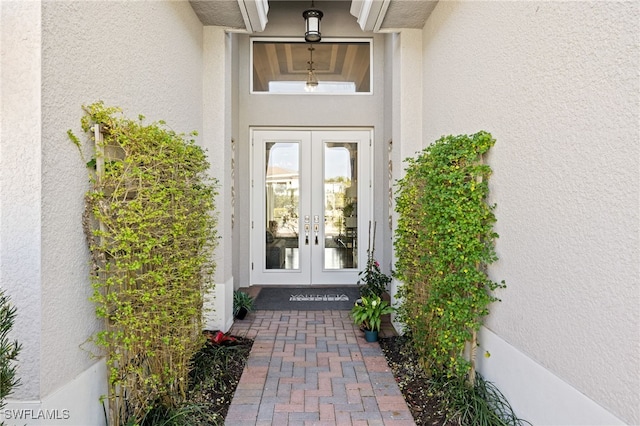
pixel 247 15
pixel 254 13
pixel 370 13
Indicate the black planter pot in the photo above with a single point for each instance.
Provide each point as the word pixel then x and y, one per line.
pixel 242 312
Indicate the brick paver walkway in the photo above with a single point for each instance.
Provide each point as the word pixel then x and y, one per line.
pixel 313 368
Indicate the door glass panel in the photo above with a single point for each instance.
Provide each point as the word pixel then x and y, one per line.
pixel 340 205
pixel 282 198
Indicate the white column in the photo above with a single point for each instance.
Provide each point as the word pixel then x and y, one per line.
pixel 216 139
pixel 407 95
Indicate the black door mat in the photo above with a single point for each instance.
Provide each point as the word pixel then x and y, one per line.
pixel 306 298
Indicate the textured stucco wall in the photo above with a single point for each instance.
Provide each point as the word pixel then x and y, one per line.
pixel 20 185
pixel 143 56
pixel 557 85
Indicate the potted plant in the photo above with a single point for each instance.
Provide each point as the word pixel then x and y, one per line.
pixel 372 281
pixel 242 304
pixel 367 313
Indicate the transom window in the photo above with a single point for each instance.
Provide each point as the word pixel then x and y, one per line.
pixel 296 67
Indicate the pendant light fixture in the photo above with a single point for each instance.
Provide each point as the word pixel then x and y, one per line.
pixel 312 19
pixel 312 81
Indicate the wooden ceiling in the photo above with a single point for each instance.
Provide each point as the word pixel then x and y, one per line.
pixel 332 61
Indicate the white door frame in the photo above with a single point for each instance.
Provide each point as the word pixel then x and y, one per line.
pixel 311 267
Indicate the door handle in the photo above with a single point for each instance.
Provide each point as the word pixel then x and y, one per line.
pixel 315 229
pixel 306 234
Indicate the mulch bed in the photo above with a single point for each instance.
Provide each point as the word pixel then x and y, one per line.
pixel 418 391
pixel 216 374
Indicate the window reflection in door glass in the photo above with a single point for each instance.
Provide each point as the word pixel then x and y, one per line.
pixel 340 205
pixel 282 198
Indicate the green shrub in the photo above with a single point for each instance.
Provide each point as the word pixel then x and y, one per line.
pixel 444 241
pixel 150 224
pixel 9 350
pixel 481 404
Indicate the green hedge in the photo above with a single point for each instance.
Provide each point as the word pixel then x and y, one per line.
pixel 151 228
pixel 444 241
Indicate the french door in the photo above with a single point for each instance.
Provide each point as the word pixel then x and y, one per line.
pixel 310 205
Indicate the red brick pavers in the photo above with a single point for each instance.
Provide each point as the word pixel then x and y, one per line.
pixel 313 368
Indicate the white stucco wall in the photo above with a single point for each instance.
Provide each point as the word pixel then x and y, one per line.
pixel 557 85
pixel 20 184
pixel 145 57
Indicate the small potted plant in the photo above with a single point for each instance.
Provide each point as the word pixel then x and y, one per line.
pixel 367 313
pixel 242 304
pixel 372 281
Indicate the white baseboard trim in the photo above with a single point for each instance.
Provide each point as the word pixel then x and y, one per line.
pixel 228 324
pixel 535 393
pixel 77 403
pixel 218 314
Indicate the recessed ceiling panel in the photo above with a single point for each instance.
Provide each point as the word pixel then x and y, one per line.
pixel 338 67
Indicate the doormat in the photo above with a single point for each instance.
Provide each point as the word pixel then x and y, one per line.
pixel 306 298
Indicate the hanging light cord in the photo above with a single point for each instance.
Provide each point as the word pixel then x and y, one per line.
pixel 312 80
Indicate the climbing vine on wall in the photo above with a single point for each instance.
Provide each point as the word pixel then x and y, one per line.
pixel 444 241
pixel 150 225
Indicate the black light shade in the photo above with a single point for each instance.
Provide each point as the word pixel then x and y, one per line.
pixel 312 19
